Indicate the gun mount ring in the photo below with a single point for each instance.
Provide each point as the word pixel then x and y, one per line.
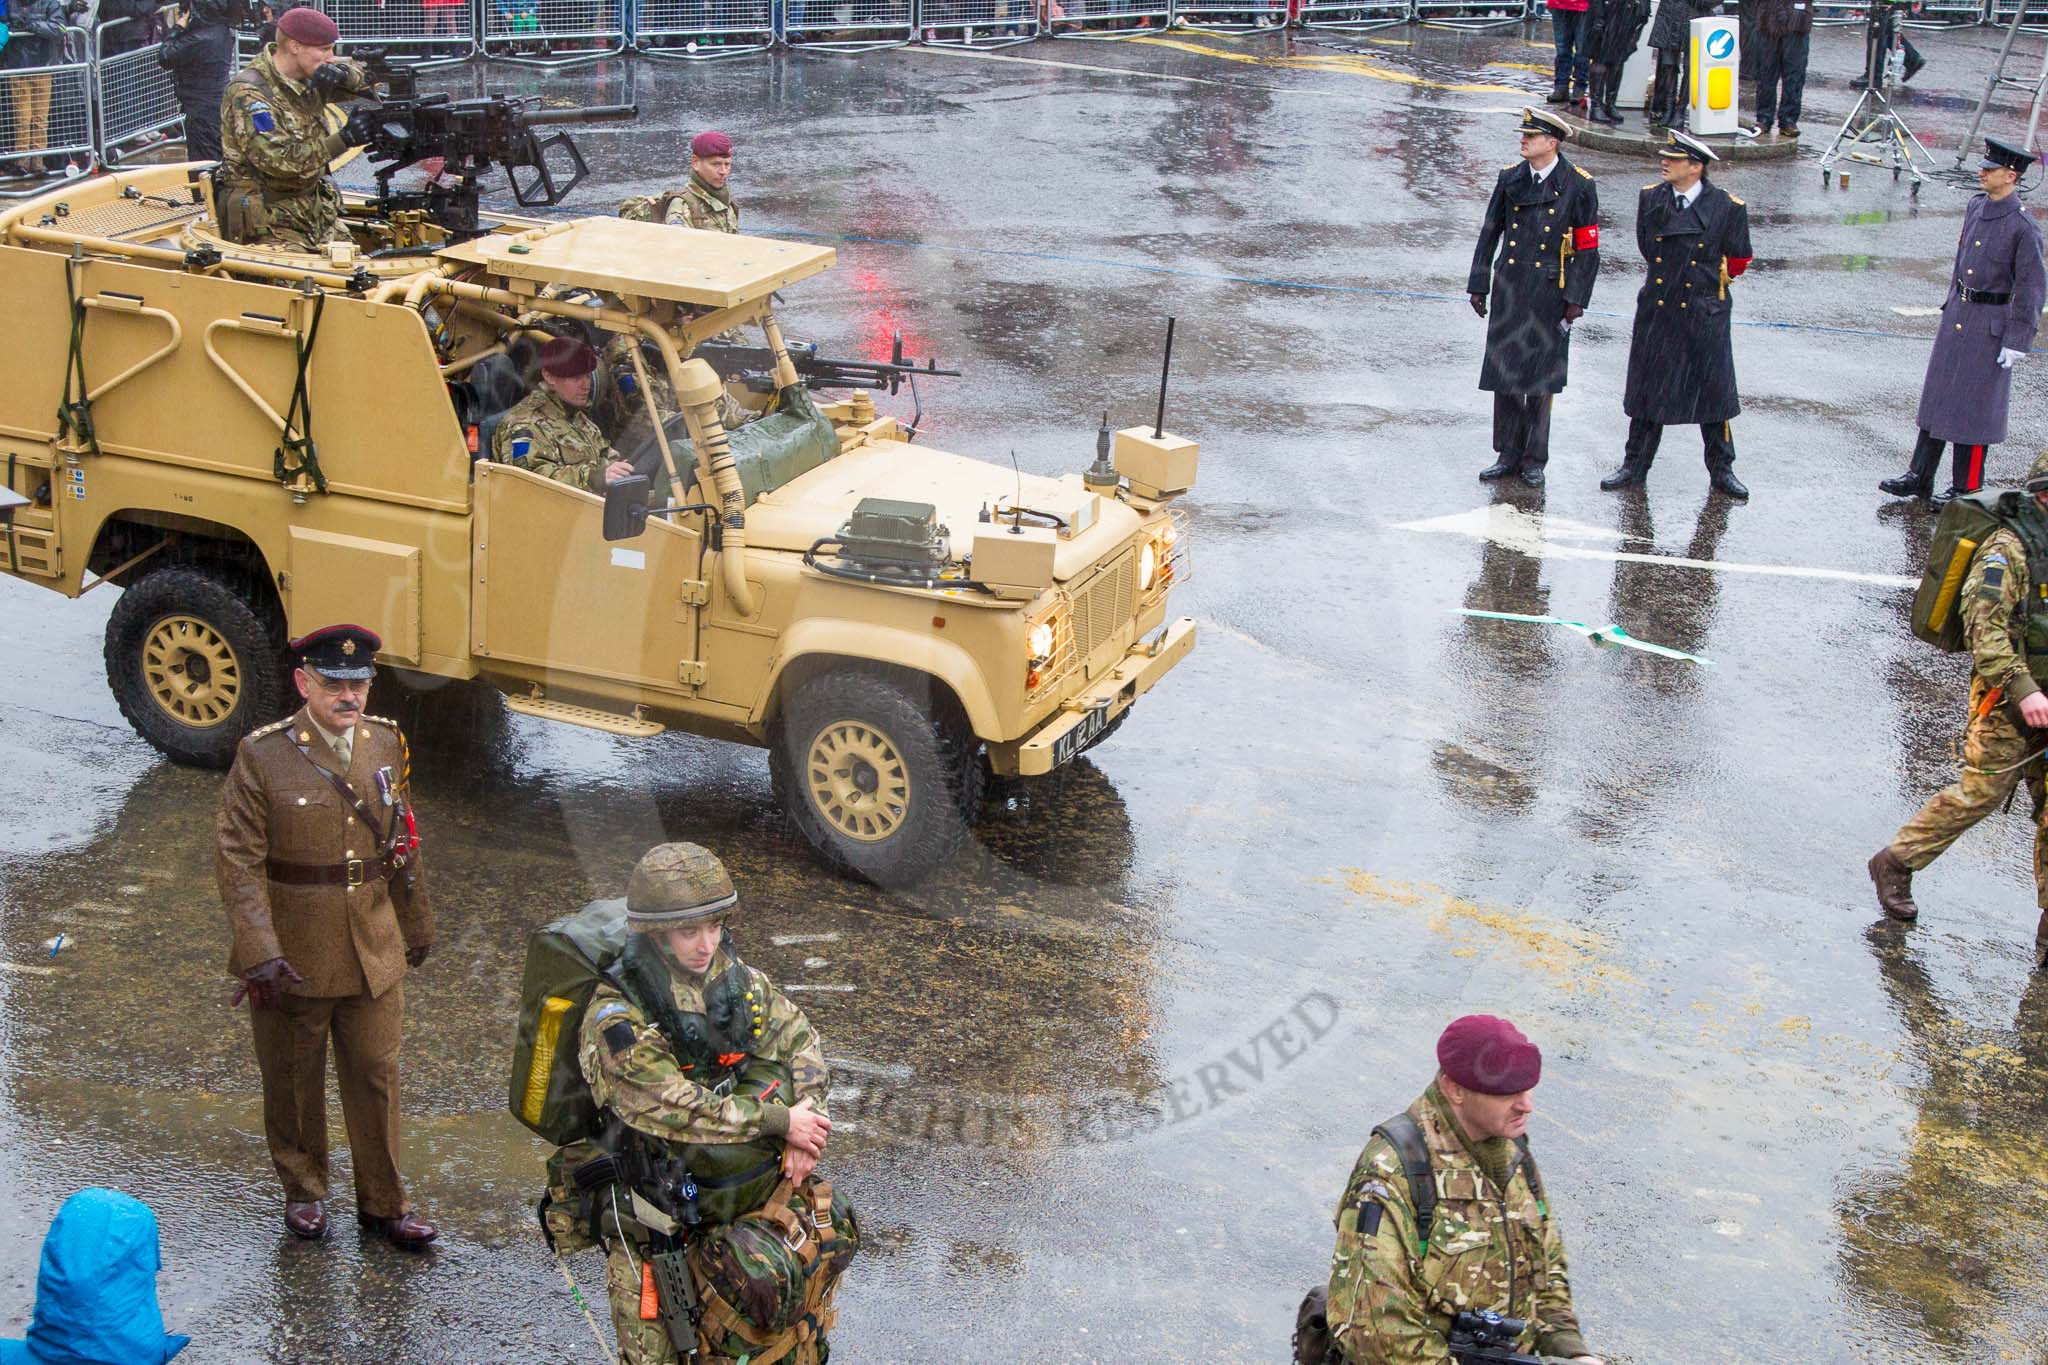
pixel 192 671
pixel 858 780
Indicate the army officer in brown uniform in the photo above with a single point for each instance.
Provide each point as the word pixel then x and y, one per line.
pixel 319 870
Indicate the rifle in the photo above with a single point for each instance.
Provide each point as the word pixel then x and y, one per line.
pixel 1487 1338
pixel 471 136
pixel 664 1199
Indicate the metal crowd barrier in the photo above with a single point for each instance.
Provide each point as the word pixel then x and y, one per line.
pixel 421 32
pixel 1353 16
pixel 1947 14
pixel 132 95
pixel 1463 14
pixel 553 32
pixel 1831 16
pixel 1104 19
pixel 2034 21
pixel 977 23
pixel 46 111
pixel 697 30
pixel 1221 16
pixel 847 26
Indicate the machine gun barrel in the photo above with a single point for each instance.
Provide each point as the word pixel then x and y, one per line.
pixel 596 113
pixel 821 372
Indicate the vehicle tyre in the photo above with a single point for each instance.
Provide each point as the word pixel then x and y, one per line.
pixel 196 661
pixel 881 778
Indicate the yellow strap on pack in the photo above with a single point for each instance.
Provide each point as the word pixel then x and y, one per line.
pixel 1951 583
pixel 546 1037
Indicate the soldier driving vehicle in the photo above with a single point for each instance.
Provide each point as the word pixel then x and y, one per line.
pixel 551 432
pixel 254 440
pixel 688 1095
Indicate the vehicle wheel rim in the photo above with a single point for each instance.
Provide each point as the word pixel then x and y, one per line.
pixel 858 781
pixel 192 671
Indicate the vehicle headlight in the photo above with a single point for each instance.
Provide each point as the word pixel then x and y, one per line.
pixel 1039 640
pixel 1148 566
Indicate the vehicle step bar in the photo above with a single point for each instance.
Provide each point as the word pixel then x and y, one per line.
pixel 633 723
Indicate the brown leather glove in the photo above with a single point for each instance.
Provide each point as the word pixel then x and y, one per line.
pixel 263 984
pixel 1478 303
pixel 1572 312
pixel 415 956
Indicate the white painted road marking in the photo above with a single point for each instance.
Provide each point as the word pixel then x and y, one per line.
pixel 790 940
pixel 1542 536
pixel 837 989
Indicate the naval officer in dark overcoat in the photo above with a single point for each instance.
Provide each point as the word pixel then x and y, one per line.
pixel 1694 237
pixel 1987 325
pixel 1538 254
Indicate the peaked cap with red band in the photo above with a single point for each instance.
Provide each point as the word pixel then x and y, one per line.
pixel 1489 1055
pixel 345 652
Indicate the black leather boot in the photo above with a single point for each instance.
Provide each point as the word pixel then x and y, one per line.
pixel 1918 480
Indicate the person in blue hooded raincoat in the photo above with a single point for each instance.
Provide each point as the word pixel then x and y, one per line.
pixel 96 1289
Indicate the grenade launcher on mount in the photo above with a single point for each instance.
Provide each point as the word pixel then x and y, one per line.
pixel 471 136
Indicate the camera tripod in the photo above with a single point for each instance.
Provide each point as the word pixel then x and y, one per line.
pixel 1874 120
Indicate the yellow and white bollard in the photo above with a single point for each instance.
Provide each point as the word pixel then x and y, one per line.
pixel 1716 75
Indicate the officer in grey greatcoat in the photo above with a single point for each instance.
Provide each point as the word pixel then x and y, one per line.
pixel 1538 254
pixel 1987 325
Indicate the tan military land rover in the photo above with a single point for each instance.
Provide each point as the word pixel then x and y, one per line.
pixel 251 442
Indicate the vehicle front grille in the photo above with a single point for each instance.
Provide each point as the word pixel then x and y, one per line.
pixel 1105 604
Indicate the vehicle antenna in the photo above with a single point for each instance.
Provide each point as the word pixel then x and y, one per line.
pixel 1017 510
pixel 1165 368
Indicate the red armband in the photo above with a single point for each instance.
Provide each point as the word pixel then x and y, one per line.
pixel 1738 264
pixel 1586 238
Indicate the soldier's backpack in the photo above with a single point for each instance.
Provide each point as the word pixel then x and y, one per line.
pixel 768 1279
pixel 1404 1134
pixel 1965 524
pixel 647 208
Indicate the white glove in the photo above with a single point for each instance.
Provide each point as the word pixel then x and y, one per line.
pixel 2007 357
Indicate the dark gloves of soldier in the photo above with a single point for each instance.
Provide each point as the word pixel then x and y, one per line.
pixel 263 984
pixel 1479 304
pixel 360 129
pixel 331 79
pixel 415 956
pixel 1572 312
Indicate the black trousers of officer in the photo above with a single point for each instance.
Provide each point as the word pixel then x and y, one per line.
pixel 1521 429
pixel 1645 435
pixel 1966 473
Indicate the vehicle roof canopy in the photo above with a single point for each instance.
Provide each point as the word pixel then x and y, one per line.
pixel 648 260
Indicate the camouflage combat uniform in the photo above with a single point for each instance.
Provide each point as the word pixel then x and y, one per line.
pixel 1489 1247
pixel 544 434
pixel 272 187
pixel 697 205
pixel 1996 628
pixel 647 1089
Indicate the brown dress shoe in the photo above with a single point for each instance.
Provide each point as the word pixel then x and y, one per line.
pixel 408 1231
pixel 1894 882
pixel 306 1220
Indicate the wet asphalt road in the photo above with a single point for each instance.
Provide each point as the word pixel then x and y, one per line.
pixel 1101 1082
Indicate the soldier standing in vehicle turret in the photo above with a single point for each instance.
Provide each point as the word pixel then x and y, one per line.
pixel 706 202
pixel 272 188
pixel 1548 212
pixel 2008 722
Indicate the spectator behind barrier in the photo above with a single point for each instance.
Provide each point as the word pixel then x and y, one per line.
pixel 96 1289
pixel 35 38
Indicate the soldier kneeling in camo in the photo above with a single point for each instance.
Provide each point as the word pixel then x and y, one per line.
pixel 1443 1223
pixel 689 1096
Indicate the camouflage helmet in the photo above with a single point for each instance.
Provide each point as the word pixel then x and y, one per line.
pixel 675 884
pixel 2037 474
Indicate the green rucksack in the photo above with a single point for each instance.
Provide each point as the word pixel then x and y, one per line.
pixel 1965 524
pixel 647 208
pixel 565 963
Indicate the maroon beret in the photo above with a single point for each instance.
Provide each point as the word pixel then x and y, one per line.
pixel 711 144
pixel 566 357
pixel 1489 1055
pixel 304 24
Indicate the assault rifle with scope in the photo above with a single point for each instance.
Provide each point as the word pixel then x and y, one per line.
pixel 1487 1338
pixel 402 127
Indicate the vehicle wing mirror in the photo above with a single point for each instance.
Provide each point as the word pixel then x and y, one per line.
pixel 625 507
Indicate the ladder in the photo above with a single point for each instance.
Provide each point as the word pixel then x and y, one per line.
pixel 1998 78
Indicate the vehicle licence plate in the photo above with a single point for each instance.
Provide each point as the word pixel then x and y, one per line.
pixel 1076 739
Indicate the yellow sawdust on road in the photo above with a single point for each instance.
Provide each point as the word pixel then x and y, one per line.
pixel 1349 64
pixel 1575 959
